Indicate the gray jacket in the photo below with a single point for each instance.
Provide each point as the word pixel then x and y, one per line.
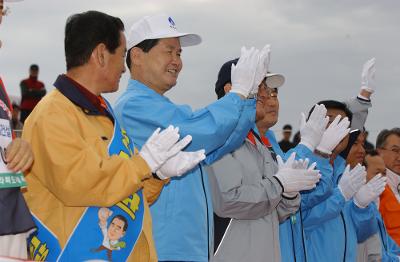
pixel 359 107
pixel 243 189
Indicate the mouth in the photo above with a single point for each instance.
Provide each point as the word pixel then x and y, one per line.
pixel 173 72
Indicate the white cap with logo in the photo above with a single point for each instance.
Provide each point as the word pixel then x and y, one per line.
pixel 157 27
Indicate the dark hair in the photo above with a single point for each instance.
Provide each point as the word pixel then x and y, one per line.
pixel 84 31
pixel 34 67
pixel 224 77
pixel 145 45
pixel 333 104
pixel 287 127
pixel 371 152
pixel 122 218
pixel 383 135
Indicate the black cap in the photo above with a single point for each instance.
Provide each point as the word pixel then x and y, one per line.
pixel 224 76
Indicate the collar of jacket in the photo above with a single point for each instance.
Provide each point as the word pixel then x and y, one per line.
pixel 72 91
pixel 253 135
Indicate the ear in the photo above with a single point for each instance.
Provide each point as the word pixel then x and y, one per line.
pixel 136 56
pixel 99 55
pixel 227 88
pixel 379 151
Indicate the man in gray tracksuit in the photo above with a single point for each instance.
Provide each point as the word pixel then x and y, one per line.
pixel 249 186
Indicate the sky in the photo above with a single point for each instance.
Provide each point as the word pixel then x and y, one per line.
pixel 318 45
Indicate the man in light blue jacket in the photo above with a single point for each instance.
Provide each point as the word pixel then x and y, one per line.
pixel 182 215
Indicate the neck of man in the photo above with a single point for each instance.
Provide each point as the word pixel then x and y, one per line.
pixel 140 77
pixel 85 78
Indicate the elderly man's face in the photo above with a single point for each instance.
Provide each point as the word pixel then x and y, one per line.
pixel 390 153
pixel 267 108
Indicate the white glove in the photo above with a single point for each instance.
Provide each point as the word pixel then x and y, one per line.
pixel 160 146
pixel 295 180
pixel 312 130
pixel 334 134
pixel 368 76
pixel 180 164
pixel 262 68
pixel 370 191
pixel 304 164
pixel 243 73
pixel 352 180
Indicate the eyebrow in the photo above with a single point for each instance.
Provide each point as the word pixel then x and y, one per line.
pixel 173 47
pixel 119 227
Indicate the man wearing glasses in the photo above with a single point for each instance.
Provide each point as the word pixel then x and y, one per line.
pixel 388 146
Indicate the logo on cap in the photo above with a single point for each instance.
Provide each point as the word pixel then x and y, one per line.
pixel 171 23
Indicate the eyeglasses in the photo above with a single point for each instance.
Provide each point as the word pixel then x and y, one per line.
pixel 393 150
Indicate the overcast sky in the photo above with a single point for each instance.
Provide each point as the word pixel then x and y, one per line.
pixel 319 45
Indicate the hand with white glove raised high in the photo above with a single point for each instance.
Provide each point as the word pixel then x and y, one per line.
pixel 243 73
pixel 312 130
pixel 368 76
pixel 262 68
pixel 161 146
pixel 370 191
pixel 295 180
pixel 352 180
pixel 333 135
pixel 180 164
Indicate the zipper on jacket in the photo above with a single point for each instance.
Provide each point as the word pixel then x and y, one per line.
pixel 345 236
pixel 208 222
pixel 294 250
pixel 302 234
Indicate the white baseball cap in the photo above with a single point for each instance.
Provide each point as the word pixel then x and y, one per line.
pixel 274 80
pixel 157 27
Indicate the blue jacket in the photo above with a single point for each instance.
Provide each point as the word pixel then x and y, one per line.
pixel 334 227
pixel 291 232
pixel 183 215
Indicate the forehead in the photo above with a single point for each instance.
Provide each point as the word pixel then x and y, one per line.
pixel 172 42
pixel 118 221
pixel 393 140
pixel 335 112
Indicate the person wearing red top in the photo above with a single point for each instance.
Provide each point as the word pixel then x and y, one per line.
pixel 32 90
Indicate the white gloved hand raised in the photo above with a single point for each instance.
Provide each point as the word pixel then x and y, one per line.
pixel 262 68
pixel 368 76
pixel 334 134
pixel 180 164
pixel 312 130
pixel 352 180
pixel 160 146
pixel 370 191
pixel 243 73
pixel 295 180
